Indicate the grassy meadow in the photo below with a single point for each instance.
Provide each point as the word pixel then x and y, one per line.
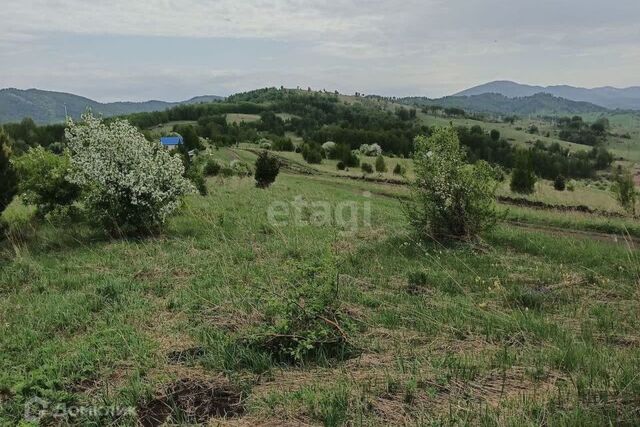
pixel 528 327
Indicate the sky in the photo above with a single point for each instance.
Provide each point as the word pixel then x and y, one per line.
pixel 173 50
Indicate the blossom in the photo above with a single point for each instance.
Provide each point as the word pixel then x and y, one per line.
pixel 127 180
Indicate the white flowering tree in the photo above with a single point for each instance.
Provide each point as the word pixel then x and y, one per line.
pixel 129 184
pixel 372 150
pixel 329 146
pixel 450 198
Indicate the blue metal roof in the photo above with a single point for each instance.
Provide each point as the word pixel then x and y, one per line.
pixel 171 140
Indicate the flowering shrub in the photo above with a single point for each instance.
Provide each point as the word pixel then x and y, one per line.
pixel 129 184
pixel 450 198
pixel 328 147
pixel 372 150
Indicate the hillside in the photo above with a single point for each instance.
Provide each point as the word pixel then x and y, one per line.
pixel 49 107
pixel 493 103
pixel 609 97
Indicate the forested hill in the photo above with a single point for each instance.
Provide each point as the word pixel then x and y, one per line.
pixel 279 116
pixel 493 103
pixel 49 107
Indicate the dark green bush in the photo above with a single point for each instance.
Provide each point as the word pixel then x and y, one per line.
pixel 523 179
pixel 312 153
pixel 381 166
pixel 197 178
pixel 8 180
pixel 366 168
pixel 43 180
pixel 226 171
pixel 560 183
pixel 211 167
pixel 416 281
pixel 398 169
pixel 267 169
pixel 341 166
pixel 282 144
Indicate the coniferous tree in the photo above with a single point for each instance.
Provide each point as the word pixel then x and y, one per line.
pixel 267 169
pixel 523 179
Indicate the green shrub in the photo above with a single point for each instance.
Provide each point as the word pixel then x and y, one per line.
pixel 282 144
pixel 304 323
pixel 265 144
pixel 380 164
pixel 351 159
pixel 341 166
pixel 366 168
pixel 344 153
pixel 625 192
pixel 43 180
pixel 8 180
pixel 449 197
pixel 267 169
pixel 211 167
pixel 197 179
pixel 560 183
pixel 226 171
pixel 312 153
pixel 240 168
pixel 523 179
pixel 4 229
pixel 398 169
pixel 417 281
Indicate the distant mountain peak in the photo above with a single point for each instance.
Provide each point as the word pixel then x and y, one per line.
pixel 607 96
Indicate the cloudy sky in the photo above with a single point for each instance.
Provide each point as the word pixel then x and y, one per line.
pixel 175 49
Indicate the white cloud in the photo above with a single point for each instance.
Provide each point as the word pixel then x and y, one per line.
pixel 414 46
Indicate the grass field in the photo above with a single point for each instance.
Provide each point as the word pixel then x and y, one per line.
pixel 530 327
pixel 239 117
pixel 166 128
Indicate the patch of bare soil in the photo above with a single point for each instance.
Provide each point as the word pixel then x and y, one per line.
pixel 192 401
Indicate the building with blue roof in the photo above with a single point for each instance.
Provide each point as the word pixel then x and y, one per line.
pixel 171 142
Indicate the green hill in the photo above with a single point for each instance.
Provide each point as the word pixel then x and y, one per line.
pixel 49 107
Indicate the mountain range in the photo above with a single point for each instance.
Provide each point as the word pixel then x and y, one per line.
pixel 498 97
pixel 49 107
pixel 494 103
pixel 608 97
